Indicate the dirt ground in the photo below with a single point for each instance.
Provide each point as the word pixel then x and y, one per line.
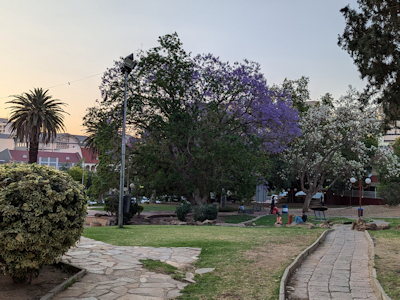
pixel 48 278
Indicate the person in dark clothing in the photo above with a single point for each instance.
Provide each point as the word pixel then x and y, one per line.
pixel 301 219
pixel 272 205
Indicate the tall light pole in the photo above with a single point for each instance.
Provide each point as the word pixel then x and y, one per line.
pixel 129 64
pixel 360 186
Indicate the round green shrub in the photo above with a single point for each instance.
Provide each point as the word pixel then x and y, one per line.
pixel 182 210
pixel 42 214
pixel 205 212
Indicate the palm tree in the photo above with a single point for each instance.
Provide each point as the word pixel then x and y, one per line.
pixel 34 115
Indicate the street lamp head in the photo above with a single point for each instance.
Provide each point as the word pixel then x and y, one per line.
pixel 129 64
pixel 352 180
pixel 368 180
pixel 295 189
pixel 132 185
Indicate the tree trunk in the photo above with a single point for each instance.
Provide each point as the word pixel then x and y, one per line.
pixel 307 201
pixel 198 199
pixel 33 149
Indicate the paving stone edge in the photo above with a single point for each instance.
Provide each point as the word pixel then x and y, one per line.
pixel 376 286
pixel 297 262
pixel 69 281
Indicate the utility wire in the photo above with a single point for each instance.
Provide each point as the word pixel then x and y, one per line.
pixel 69 83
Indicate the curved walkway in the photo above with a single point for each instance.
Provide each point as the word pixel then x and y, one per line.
pixel 115 272
pixel 337 269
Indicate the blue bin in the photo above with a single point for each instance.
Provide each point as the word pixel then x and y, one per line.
pixel 285 209
pixel 360 212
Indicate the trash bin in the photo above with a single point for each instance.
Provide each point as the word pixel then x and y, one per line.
pixel 126 204
pixel 360 212
pixel 284 209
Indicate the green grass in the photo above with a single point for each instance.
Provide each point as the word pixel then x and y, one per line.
pixel 237 275
pixel 271 219
pixel 236 219
pixel 159 207
pixel 387 257
pixel 158 266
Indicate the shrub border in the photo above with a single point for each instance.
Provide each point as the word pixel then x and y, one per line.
pixel 297 262
pixel 69 281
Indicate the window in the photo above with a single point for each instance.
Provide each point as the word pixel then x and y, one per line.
pixel 2 128
pixel 48 161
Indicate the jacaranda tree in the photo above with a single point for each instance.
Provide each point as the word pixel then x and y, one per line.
pixel 198 124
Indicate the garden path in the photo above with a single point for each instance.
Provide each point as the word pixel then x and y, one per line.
pixel 337 269
pixel 115 272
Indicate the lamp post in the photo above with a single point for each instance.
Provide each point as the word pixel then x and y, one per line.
pixel 360 186
pixel 129 64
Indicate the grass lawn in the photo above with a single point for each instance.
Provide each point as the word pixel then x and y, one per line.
pixel 387 258
pixel 236 219
pixel 248 261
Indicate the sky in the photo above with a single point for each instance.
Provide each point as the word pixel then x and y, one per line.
pixel 65 46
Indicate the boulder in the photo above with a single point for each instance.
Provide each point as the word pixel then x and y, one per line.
pixel 383 226
pixel 362 225
pixel 210 222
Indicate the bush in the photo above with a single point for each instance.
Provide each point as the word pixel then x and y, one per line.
pixel 42 214
pixel 111 205
pixel 182 211
pixel 205 212
pixel 390 193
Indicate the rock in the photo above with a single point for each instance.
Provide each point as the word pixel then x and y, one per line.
pixel 189 275
pixel 362 225
pixel 95 224
pixel 277 225
pixel 398 227
pixel 210 222
pixel 324 225
pixel 204 270
pixel 199 223
pixel 310 226
pixel 383 226
pixel 189 280
pixel 163 222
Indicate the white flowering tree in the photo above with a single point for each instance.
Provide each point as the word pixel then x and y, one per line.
pixel 332 144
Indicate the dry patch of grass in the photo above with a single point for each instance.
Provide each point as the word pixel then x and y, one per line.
pixel 387 260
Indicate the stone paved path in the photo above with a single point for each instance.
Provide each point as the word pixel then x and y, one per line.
pixel 115 272
pixel 337 270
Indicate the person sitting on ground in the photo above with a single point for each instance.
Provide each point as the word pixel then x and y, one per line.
pixel 275 211
pixel 301 219
pixel 241 207
pixel 278 219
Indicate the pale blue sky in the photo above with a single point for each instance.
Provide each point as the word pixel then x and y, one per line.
pixel 49 43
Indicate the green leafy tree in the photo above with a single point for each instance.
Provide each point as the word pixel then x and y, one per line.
pixel 198 125
pixel 372 38
pixel 298 91
pixel 76 173
pixel 35 117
